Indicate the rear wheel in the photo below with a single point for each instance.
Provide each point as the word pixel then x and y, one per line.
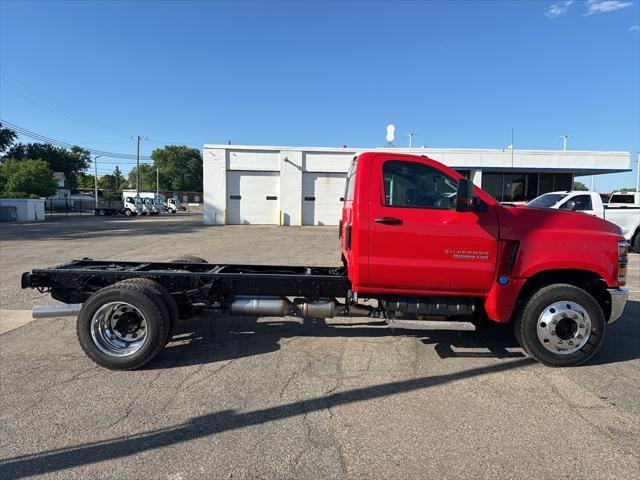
pixel 636 243
pixel 560 325
pixel 123 326
pixel 164 294
pixel 102 212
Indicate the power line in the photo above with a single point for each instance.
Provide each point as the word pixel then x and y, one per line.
pixel 59 143
pixel 41 99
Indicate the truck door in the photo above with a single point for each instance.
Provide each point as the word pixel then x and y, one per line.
pixel 418 241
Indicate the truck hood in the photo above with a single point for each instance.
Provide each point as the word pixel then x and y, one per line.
pixel 521 221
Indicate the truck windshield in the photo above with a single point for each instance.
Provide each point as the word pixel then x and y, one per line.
pixel 547 200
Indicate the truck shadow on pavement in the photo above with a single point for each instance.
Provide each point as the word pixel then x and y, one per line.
pixel 224 421
pixel 212 337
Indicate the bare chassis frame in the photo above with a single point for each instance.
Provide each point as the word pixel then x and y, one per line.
pixel 190 283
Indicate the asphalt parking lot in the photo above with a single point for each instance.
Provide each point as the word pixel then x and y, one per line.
pixel 287 398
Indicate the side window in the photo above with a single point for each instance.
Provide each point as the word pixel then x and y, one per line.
pixel 414 185
pixel 582 202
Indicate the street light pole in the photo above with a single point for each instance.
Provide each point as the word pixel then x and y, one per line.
pixel 638 174
pixel 410 135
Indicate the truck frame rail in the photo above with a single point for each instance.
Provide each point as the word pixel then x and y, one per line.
pixel 77 280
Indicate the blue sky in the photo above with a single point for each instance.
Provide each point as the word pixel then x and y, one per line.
pixel 458 74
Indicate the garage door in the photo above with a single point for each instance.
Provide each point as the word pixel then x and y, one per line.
pixel 252 198
pixel 322 198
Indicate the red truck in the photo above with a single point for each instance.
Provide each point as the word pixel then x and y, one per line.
pixel 426 248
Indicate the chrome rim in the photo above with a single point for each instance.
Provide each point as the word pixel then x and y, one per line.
pixel 564 327
pixel 119 329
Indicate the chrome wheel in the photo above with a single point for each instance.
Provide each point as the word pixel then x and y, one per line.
pixel 564 327
pixel 118 329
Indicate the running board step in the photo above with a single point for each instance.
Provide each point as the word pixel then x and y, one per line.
pixel 430 325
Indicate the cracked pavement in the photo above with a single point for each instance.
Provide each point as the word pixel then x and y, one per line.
pixel 239 397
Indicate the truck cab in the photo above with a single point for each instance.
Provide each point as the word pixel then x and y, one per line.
pixel 131 205
pixel 172 205
pixel 147 206
pixel 415 233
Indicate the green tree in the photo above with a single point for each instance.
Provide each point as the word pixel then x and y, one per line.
pixel 147 177
pixel 121 182
pixel 23 178
pixel 7 137
pixel 84 180
pixel 69 161
pixel 580 186
pixel 180 167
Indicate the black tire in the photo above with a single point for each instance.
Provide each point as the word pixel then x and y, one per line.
pixel 128 212
pixel 164 294
pixel 636 243
pixel 189 259
pixel 102 212
pixel 148 303
pixel 526 325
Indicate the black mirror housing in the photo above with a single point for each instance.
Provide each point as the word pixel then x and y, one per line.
pixel 464 199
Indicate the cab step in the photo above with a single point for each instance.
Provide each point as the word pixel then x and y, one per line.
pixel 430 325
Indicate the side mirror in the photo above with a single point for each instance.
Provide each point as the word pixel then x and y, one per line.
pixel 464 199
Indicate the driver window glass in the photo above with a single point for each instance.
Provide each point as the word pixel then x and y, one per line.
pixel 582 202
pixel 414 185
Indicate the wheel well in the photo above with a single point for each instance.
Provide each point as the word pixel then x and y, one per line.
pixel 589 281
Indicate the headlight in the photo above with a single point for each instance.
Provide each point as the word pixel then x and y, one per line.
pixel 623 261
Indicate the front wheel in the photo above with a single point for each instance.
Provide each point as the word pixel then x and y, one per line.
pixel 128 212
pixel 560 326
pixel 636 243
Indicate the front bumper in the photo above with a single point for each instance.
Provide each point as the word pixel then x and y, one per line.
pixel 619 297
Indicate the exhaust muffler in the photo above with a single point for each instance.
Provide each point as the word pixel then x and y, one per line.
pixel 281 307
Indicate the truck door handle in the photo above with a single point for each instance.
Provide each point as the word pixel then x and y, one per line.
pixel 388 221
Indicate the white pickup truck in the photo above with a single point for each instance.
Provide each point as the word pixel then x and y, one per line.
pixel 627 218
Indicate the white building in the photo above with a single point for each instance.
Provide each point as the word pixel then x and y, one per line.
pixel 305 185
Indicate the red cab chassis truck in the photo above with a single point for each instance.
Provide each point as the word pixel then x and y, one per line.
pixel 421 247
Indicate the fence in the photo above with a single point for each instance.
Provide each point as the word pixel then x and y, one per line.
pixel 66 207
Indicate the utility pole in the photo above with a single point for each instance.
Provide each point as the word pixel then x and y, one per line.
pixel 138 138
pixel 157 182
pixel 95 177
